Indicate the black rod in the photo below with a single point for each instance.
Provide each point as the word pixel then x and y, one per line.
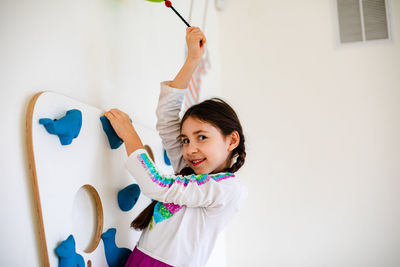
pixel 179 15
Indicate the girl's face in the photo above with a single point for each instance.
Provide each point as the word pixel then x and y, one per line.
pixel 205 149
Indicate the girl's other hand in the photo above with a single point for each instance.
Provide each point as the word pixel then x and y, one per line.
pixel 121 123
pixel 193 38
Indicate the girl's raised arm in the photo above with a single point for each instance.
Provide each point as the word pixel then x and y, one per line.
pixel 195 40
pixel 171 98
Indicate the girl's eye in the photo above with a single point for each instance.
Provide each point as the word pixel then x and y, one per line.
pixel 202 137
pixel 185 141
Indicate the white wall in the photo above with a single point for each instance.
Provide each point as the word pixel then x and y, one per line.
pixel 323 137
pixel 322 122
pixel 107 53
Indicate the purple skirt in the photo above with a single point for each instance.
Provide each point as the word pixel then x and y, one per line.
pixel 140 259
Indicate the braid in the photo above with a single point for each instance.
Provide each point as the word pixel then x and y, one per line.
pixel 239 161
pixel 240 151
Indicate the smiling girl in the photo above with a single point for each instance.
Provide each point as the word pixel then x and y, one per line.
pixel 206 148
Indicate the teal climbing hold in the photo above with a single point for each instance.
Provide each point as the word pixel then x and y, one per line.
pixel 166 159
pixel 115 256
pixel 112 136
pixel 67 254
pixel 67 128
pixel 128 196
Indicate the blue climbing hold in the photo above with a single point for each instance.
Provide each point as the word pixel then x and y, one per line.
pixel 67 128
pixel 166 159
pixel 67 254
pixel 128 196
pixel 115 256
pixel 113 138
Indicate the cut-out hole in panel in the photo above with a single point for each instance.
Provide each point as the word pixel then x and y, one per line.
pixel 87 219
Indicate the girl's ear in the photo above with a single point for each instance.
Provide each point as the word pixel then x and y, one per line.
pixel 234 141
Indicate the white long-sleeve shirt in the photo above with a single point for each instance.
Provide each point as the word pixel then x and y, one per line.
pixel 191 210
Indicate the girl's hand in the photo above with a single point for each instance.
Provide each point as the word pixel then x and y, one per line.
pixel 193 38
pixel 121 123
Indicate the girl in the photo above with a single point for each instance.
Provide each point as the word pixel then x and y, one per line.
pixel 206 148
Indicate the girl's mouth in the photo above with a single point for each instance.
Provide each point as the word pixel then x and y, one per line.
pixel 197 162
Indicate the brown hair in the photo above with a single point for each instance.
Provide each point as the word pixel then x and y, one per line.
pixel 222 116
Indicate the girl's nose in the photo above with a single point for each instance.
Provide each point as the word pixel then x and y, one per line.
pixel 192 148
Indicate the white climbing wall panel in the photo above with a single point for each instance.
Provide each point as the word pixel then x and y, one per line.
pixel 62 171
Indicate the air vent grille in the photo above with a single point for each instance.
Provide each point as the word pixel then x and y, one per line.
pixel 362 20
